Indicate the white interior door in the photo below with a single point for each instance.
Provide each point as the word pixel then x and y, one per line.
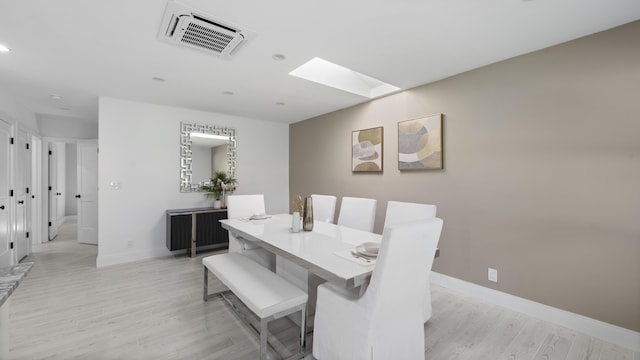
pixel 22 180
pixel 5 199
pixel 88 192
pixel 36 191
pixel 61 183
pixel 53 191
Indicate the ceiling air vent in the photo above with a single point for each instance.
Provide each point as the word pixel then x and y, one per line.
pixel 184 26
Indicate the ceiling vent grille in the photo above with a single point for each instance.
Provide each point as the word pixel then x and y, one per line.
pixel 184 26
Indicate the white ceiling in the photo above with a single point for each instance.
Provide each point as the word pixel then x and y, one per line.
pixel 82 49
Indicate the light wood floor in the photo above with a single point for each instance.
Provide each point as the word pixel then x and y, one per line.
pixel 153 309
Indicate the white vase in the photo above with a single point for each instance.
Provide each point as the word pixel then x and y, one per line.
pixel 217 204
pixel 295 222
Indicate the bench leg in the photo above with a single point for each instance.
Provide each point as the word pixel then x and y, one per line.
pixel 263 339
pixel 303 329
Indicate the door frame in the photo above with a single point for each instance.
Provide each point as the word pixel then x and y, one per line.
pixel 52 190
pixel 46 140
pixel 7 256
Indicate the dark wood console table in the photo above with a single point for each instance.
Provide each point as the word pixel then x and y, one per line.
pixel 188 229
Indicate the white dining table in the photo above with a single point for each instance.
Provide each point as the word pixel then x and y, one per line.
pixel 320 251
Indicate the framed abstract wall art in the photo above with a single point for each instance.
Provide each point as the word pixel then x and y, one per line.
pixel 420 143
pixel 366 150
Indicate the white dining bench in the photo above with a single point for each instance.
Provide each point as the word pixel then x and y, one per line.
pixel 266 294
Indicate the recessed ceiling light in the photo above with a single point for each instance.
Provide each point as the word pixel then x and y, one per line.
pixel 55 97
pixel 340 77
pixel 278 57
pixel 158 79
pixel 280 103
pixel 4 49
pixel 228 93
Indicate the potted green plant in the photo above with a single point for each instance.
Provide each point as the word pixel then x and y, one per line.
pixel 219 184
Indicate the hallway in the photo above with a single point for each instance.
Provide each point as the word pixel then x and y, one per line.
pixel 64 251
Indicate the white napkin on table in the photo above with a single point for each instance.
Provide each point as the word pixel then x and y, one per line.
pixel 358 260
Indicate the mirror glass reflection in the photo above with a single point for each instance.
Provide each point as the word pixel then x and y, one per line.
pixel 205 149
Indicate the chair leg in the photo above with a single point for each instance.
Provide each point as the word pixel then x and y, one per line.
pixel 206 284
pixel 263 339
pixel 303 329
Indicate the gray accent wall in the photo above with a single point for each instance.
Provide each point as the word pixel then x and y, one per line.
pixel 541 177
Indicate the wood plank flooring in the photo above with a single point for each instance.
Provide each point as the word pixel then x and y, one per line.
pixel 66 308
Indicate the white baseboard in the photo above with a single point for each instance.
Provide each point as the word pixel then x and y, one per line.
pixel 129 256
pixel 592 327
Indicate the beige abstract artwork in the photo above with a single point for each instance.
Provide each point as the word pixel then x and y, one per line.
pixel 366 150
pixel 420 143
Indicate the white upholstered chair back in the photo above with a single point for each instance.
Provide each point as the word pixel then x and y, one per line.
pixel 358 213
pixel 406 253
pixel 385 322
pixel 324 207
pixel 242 207
pixel 403 212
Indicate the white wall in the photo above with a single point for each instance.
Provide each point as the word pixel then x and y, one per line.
pixel 13 112
pixel 67 127
pixel 140 149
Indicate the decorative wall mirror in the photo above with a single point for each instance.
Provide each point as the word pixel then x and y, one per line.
pixel 205 149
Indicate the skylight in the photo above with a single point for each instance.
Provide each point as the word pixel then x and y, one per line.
pixel 339 77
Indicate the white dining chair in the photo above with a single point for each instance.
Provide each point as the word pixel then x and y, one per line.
pixel 242 207
pixel 385 322
pixel 358 213
pixel 324 207
pixel 403 212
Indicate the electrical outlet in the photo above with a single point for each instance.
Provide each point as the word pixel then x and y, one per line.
pixel 493 275
pixel 130 244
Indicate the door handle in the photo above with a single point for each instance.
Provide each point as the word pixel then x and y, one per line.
pixel 78 196
pixel 58 194
pixel 21 202
pixel 1 207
